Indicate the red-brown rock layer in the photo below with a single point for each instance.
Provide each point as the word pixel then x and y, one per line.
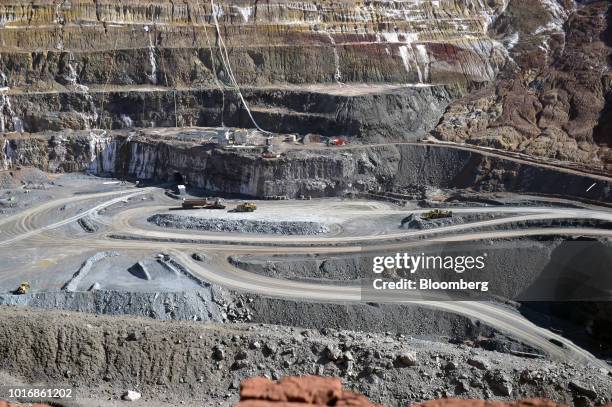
pixel 328 391
pixel 298 391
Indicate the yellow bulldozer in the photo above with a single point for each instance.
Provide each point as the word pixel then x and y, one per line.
pixel 246 207
pixel 23 288
pixel 436 214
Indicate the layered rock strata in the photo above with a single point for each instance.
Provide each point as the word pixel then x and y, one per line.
pixel 315 171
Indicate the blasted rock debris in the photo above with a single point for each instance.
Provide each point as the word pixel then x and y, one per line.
pixel 489 403
pixel 238 225
pixel 195 360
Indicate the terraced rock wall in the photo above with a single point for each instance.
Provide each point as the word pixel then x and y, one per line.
pixel 81 64
pixel 534 74
pixel 109 43
pixel 315 172
pixel 389 112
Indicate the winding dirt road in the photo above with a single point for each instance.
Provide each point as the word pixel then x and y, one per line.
pixel 28 229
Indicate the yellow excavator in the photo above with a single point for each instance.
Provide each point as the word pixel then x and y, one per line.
pixel 23 288
pixel 436 214
pixel 246 207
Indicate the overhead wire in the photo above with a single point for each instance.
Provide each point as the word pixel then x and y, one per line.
pixel 216 78
pixel 226 63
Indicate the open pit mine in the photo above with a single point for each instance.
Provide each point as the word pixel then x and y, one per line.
pixel 197 192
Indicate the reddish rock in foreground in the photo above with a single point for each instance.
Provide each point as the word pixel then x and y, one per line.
pixel 327 391
pixel 299 391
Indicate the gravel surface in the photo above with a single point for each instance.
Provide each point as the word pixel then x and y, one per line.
pixel 415 221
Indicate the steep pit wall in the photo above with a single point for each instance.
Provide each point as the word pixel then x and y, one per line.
pixel 84 64
pixel 316 172
pixel 457 168
pixel 376 113
pixel 51 45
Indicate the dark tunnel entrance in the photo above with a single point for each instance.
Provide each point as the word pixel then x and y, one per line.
pixel 179 178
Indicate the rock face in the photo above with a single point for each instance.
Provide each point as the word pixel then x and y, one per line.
pixel 555 100
pixel 376 112
pixel 315 172
pixel 160 42
pixel 532 76
pixel 377 69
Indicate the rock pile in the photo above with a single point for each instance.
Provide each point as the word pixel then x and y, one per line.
pixel 238 225
pixel 195 361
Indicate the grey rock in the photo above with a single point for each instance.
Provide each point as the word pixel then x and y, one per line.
pixel 219 352
pixel 241 355
pixel 238 225
pixel 499 383
pixel 583 389
pixel 450 366
pixel 332 353
pixel 131 395
pixel 133 336
pixel 478 363
pixel 406 359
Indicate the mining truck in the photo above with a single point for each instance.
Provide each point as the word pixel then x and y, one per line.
pixel 436 214
pixel 194 203
pixel 202 204
pixel 246 207
pixel 215 205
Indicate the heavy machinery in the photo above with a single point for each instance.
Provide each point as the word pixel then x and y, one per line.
pixel 215 205
pixel 337 141
pixel 202 204
pixel 270 155
pixel 194 203
pixel 246 207
pixel 23 288
pixel 436 214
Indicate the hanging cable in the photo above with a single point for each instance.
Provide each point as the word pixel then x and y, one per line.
pixel 228 68
pixel 217 81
